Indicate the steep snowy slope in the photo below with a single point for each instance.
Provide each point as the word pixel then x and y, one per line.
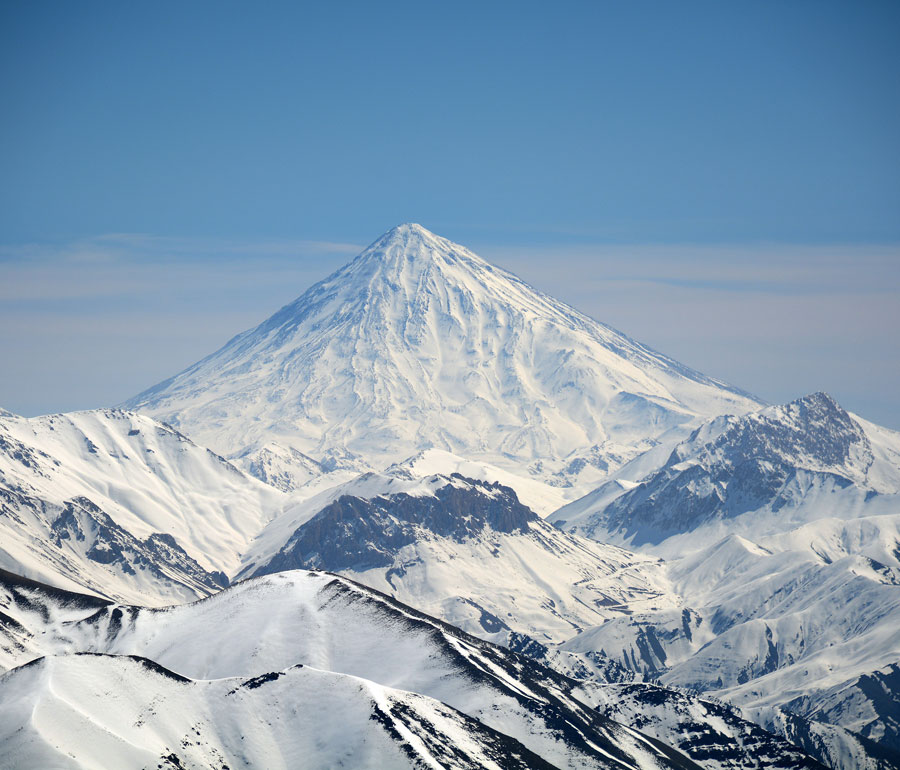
pixel 790 621
pixel 715 735
pixel 127 507
pixel 88 711
pixel 332 626
pixel 763 473
pixel 418 343
pixel 464 550
pixel 338 631
pixel 782 536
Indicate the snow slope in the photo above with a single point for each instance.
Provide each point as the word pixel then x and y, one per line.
pixel 781 532
pixel 337 630
pixel 542 497
pixel 87 711
pixel 464 550
pixel 420 344
pixel 122 505
pixel 711 732
pixel 766 472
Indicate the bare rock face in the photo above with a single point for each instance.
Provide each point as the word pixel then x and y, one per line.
pixel 734 465
pixel 356 534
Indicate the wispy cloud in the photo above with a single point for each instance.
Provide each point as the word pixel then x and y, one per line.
pixel 129 266
pixel 133 247
pixel 790 268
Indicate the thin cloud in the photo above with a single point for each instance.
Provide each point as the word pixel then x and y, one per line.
pixel 801 269
pixel 134 266
pixel 144 248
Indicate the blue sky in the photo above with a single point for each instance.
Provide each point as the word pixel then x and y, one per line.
pixel 720 180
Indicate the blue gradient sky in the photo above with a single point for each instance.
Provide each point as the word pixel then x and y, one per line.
pixel 720 180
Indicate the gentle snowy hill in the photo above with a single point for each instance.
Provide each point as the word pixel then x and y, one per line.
pixel 360 651
pixel 119 504
pixel 411 676
pixel 87 711
pixel 418 344
pixel 542 497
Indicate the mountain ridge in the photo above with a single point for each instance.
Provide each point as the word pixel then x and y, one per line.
pixel 780 531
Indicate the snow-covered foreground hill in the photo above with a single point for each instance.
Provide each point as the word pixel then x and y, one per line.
pixel 306 669
pixel 781 532
pixel 418 692
pixel 90 711
pixel 116 503
pixel 420 344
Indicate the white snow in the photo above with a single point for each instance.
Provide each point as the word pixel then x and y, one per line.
pixel 420 344
pixel 787 601
pixel 143 474
pixel 357 649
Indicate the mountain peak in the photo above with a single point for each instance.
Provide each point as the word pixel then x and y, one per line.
pixel 420 343
pixel 819 400
pixel 409 229
pixel 404 236
pixel 412 243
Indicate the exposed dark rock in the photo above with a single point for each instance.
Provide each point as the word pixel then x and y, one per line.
pixel 750 464
pixel 693 725
pixel 356 534
pixel 106 542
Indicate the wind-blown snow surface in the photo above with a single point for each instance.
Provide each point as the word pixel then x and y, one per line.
pixel 119 504
pixel 417 344
pixel 434 692
pixel 125 712
pixel 782 536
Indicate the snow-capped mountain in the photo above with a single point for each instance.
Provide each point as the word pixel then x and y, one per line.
pixel 308 642
pixel 762 473
pixel 407 422
pixel 418 344
pixel 780 531
pixel 464 550
pixel 116 503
